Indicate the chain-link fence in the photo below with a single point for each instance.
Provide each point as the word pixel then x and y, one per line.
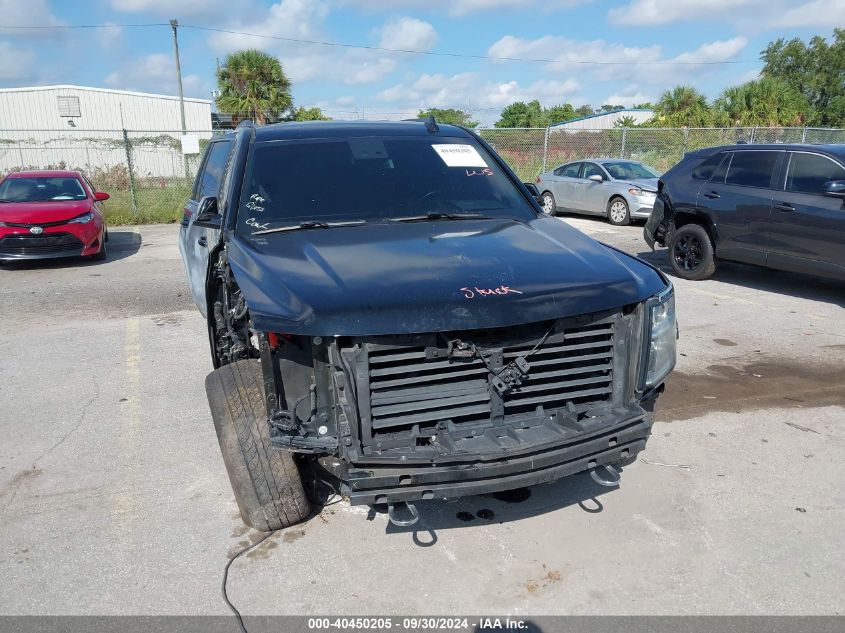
pixel 149 178
pixel 532 151
pixel 145 173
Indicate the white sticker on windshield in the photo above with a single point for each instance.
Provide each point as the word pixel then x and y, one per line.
pixel 455 155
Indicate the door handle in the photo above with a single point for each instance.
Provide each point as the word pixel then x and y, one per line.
pixel 784 206
pixel 203 241
pixel 712 195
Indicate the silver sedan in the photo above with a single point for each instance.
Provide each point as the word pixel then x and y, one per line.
pixel 617 189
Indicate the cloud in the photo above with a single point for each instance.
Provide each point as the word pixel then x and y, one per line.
pixel 15 63
pixel 463 8
pixel 408 34
pixel 110 35
pixel 629 97
pixel 169 7
pixel 650 12
pixel 304 20
pixel 30 13
pixel 815 13
pixel 643 63
pixel 470 91
pixel 156 73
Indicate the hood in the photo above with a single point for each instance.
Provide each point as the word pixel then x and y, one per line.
pixel 646 184
pixel 432 276
pixel 42 212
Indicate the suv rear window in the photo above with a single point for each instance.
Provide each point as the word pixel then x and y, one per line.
pixel 752 168
pixel 373 179
pixel 706 169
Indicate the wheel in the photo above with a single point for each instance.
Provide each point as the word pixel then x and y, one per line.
pixel 617 212
pixel 691 252
pixel 103 252
pixel 265 480
pixel 549 205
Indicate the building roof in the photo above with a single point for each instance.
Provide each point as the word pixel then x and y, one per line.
pixel 108 90
pixel 623 111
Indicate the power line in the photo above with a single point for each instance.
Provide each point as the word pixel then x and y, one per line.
pixel 582 62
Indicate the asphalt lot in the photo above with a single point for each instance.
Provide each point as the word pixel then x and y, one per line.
pixel 114 498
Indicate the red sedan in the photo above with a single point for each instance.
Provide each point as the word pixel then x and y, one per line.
pixel 51 214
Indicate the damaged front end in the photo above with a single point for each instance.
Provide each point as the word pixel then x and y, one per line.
pixel 443 415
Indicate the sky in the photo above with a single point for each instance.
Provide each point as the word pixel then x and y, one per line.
pixel 648 44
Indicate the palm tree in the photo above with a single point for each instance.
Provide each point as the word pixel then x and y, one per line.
pixel 253 83
pixel 763 102
pixel 683 106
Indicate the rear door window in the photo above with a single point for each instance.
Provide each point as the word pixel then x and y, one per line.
pixel 569 171
pixel 752 168
pixel 809 173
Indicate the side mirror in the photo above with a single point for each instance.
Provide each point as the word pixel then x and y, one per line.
pixel 532 189
pixel 835 188
pixel 100 196
pixel 207 213
pixel 596 178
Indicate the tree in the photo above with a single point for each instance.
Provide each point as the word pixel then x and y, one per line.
pixel 559 113
pixel 450 116
pixel 309 114
pixel 816 70
pixel 683 106
pixel 253 83
pixel 611 108
pixel 764 102
pixel 521 114
pixel 584 110
pixel 625 121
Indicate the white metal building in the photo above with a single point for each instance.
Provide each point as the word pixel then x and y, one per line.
pixel 78 107
pixel 77 127
pixel 603 121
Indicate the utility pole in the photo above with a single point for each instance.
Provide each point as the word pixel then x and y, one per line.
pixel 174 24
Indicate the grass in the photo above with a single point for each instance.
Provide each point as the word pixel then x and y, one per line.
pixel 156 205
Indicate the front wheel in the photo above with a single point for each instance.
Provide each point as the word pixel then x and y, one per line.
pixel 618 213
pixel 549 204
pixel 265 480
pixel 691 252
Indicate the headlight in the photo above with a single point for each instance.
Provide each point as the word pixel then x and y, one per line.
pixel 85 218
pixel 661 333
pixel 2 224
pixel 636 191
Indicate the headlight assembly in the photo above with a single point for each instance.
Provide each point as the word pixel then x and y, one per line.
pixel 85 218
pixel 660 336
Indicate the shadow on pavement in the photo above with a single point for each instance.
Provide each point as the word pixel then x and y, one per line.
pixel 765 279
pixel 503 507
pixel 121 244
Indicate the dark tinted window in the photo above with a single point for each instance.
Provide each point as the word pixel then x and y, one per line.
pixel 569 171
pixel 752 168
pixel 706 169
pixel 373 179
pixel 212 173
pixel 808 173
pixel 54 189
pixel 591 169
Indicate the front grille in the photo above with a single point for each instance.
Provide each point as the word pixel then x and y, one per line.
pixel 409 391
pixel 50 244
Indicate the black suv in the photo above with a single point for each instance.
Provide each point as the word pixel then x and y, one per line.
pixel 780 206
pixel 390 313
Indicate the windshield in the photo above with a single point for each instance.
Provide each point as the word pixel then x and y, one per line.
pixel 628 171
pixel 373 179
pixel 41 189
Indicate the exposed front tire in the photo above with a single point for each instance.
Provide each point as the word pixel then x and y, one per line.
pixel 549 204
pixel 265 480
pixel 691 252
pixel 618 213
